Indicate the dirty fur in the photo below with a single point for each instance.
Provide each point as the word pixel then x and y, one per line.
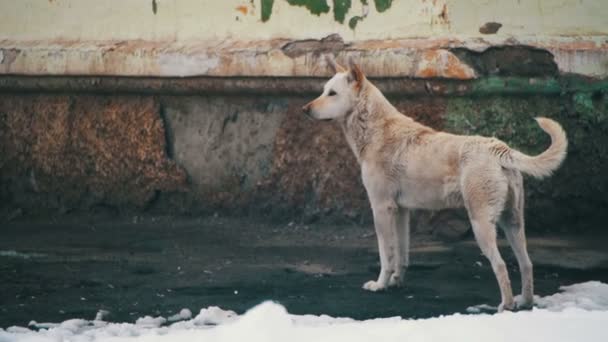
pixel 406 165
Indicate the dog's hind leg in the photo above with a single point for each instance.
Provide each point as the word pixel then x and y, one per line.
pixel 484 191
pixel 402 245
pixel 485 234
pixel 512 223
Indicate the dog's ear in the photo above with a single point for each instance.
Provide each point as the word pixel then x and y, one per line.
pixel 333 66
pixel 355 74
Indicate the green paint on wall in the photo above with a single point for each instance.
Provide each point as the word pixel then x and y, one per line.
pixel 316 7
pixel 341 7
pixel 383 5
pixel 266 9
pixel 352 23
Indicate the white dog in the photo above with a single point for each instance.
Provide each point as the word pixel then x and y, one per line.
pixel 406 165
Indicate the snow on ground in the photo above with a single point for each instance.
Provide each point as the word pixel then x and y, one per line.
pixel 578 313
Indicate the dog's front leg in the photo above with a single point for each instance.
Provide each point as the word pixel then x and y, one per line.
pixel 402 245
pixel 385 217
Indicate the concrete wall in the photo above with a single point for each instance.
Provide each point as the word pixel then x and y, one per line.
pixel 193 106
pixel 272 38
pixel 184 20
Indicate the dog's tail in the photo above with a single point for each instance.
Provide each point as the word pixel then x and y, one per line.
pixel 544 164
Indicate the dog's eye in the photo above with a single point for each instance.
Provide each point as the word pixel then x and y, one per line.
pixel 332 93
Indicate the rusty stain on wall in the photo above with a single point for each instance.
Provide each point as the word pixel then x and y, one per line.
pixel 444 64
pixel 242 9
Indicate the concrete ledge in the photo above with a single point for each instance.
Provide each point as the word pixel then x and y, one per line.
pixel 309 86
pixel 448 58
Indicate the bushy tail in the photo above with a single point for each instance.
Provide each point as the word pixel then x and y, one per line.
pixel 544 164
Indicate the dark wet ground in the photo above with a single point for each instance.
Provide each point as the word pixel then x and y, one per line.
pixel 158 265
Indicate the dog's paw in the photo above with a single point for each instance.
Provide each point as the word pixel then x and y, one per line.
pixel 373 286
pixel 396 280
pixel 528 305
pixel 506 306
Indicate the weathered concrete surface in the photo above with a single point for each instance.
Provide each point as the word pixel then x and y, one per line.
pixel 421 58
pixel 185 20
pixel 238 136
pixel 225 143
pixel 411 38
pixel 260 155
pixel 61 152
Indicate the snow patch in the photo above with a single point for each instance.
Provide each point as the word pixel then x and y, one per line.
pixel 150 322
pixel 592 295
pixel 579 312
pixel 182 315
pixel 214 316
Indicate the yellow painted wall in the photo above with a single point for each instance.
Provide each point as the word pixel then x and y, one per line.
pixel 183 20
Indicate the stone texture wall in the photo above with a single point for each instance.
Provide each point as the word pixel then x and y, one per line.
pixel 195 106
pixel 261 156
pixel 65 152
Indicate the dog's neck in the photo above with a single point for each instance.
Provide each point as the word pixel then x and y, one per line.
pixel 371 108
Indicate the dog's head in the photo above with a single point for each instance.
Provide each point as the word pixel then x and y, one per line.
pixel 340 93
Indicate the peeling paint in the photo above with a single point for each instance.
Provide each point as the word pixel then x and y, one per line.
pixel 316 7
pixel 330 44
pixel 403 20
pixel 305 58
pixel 352 23
pixel 443 64
pixel 266 9
pixel 383 5
pixel 490 28
pixel 244 10
pixel 510 61
pixel 443 15
pixel 8 56
pixel 341 7
pixel 183 65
